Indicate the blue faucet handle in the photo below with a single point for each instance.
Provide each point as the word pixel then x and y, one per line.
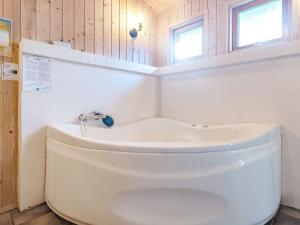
pixel 108 121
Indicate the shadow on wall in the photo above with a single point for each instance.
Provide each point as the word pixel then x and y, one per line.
pixel 77 88
pixel 267 91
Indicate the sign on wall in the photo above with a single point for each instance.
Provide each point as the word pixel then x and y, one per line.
pixel 37 74
pixel 6 37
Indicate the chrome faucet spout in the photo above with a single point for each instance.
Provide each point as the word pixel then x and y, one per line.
pixel 96 115
pixel 83 127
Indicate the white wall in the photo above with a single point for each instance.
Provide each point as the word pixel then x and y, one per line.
pixel 265 91
pixel 127 96
pixel 260 85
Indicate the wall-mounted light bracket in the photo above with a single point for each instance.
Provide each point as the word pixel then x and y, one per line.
pixel 134 31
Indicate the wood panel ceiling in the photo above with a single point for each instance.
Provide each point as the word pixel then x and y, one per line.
pixel 160 5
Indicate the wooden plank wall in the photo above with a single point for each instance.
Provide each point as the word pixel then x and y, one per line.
pixel 218 24
pixel 183 11
pixel 8 118
pixel 97 26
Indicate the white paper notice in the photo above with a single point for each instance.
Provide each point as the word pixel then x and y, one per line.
pixel 4 38
pixel 37 74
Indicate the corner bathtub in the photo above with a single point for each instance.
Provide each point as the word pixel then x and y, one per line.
pixel 163 172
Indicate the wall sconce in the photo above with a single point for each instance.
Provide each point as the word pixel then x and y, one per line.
pixel 135 31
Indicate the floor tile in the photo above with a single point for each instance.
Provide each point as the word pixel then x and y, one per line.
pixel 48 219
pixel 290 211
pixel 5 219
pixel 283 219
pixel 42 215
pixel 28 215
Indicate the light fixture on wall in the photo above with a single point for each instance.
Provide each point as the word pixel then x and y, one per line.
pixel 136 27
pixel 134 31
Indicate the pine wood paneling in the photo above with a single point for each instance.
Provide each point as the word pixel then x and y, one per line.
pixel 28 19
pixel 146 37
pixel 79 25
pixel 99 19
pixel 160 6
pixel 10 116
pixel 130 4
pixel 203 5
pixel 99 26
pixel 16 20
pixel 163 37
pixel 187 9
pixel 1 140
pixel 107 28
pixel 1 123
pixel 144 32
pixel 89 25
pixel 123 29
pixel 138 51
pixel 136 43
pixel 153 40
pixel 195 7
pixel 180 10
pixel 295 19
pixel 56 20
pixel 212 27
pixel 172 17
pixel 43 18
pixel 9 131
pixel 8 9
pixel 69 21
pixel 222 27
pixel 115 38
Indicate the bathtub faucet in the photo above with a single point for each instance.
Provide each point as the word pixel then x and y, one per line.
pixel 95 115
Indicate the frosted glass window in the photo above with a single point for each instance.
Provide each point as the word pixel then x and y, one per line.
pixel 188 41
pixel 256 22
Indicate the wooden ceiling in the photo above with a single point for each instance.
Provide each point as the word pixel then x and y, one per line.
pixel 160 5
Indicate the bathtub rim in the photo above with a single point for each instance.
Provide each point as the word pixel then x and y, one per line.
pixel 56 133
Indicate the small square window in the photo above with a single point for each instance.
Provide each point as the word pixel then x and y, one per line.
pixel 257 22
pixel 187 40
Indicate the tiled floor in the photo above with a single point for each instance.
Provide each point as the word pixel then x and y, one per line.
pixel 287 216
pixel 42 215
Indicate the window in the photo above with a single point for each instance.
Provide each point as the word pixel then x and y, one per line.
pixel 187 40
pixel 257 22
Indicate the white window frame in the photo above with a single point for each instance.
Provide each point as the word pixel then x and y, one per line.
pixel 186 26
pixel 286 27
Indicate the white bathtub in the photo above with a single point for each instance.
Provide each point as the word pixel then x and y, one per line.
pixel 163 172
